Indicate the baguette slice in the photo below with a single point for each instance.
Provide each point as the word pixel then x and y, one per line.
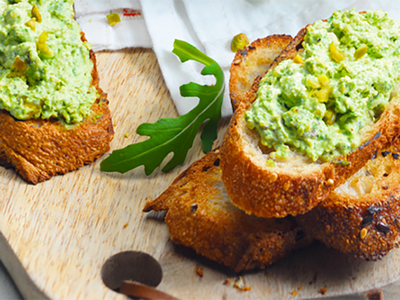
pixel 39 149
pixel 361 217
pixel 200 215
pixel 296 185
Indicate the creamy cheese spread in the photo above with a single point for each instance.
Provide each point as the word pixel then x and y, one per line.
pixel 45 68
pixel 317 102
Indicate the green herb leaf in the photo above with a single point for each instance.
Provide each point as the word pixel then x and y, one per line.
pixel 176 134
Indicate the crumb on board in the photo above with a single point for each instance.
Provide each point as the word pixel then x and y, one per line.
pixel 126 134
pixel 113 19
pixel 323 291
pixel 125 225
pixel 200 271
pixel 239 284
pixel 295 292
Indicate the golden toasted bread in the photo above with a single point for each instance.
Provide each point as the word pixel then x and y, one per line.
pixel 361 217
pixel 200 215
pixel 297 184
pixel 39 149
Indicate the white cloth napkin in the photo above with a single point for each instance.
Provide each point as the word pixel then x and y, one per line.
pixel 130 32
pixel 207 24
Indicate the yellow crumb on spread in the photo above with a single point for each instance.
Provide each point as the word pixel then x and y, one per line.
pixel 294 293
pixel 126 134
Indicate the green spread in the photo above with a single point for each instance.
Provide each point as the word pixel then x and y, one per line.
pixel 45 69
pixel 318 102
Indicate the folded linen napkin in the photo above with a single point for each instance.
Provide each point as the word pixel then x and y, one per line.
pixel 130 32
pixel 209 25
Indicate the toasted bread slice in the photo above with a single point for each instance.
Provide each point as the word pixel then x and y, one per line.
pixel 200 215
pixel 361 217
pixel 297 184
pixel 39 149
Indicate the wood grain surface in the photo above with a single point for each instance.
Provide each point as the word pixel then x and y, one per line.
pixel 56 236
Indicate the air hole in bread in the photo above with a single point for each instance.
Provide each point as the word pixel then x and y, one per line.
pixel 299 47
pixel 216 162
pixel 183 194
pixel 183 184
pixel 388 170
pixel 299 235
pixel 206 168
pixel 193 208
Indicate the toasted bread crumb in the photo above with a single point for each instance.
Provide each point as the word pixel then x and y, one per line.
pixel 323 291
pixel 294 292
pixel 200 271
pixel 239 284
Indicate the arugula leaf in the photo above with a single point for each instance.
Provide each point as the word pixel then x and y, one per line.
pixel 176 134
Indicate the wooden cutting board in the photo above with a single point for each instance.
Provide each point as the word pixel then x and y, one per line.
pixel 56 236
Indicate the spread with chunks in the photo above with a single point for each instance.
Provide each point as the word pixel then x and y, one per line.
pixel 45 68
pixel 317 102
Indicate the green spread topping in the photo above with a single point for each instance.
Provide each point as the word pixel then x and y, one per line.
pixel 45 69
pixel 318 102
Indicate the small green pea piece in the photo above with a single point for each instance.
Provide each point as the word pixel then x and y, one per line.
pixel 239 41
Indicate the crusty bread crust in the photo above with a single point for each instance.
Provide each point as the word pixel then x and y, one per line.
pixel 361 216
pixel 200 215
pixel 297 185
pixel 39 149
pixel 252 61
